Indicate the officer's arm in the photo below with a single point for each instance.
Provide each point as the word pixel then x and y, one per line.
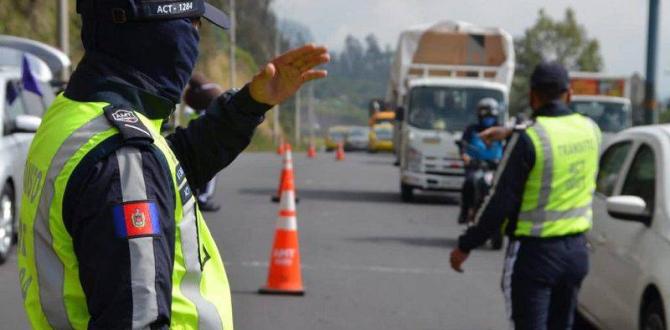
pixel 465 138
pixel 119 210
pixel 505 199
pixel 214 140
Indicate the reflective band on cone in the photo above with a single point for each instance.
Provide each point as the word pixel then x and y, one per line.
pixel 284 275
pixel 287 170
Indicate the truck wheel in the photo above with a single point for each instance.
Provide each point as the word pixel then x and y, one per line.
pixel 652 316
pixel 7 222
pixel 406 192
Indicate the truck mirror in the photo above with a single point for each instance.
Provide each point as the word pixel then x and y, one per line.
pixel 400 113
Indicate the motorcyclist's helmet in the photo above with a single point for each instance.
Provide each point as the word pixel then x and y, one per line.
pixel 488 111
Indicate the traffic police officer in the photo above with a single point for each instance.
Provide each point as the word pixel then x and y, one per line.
pixel 111 235
pixel 542 198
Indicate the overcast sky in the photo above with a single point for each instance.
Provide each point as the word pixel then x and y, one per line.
pixel 619 25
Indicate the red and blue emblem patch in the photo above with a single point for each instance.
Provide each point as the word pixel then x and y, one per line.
pixel 136 219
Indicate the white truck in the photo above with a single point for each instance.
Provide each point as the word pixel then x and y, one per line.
pixel 603 98
pixel 440 73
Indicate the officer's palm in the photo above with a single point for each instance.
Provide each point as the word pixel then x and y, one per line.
pixel 284 75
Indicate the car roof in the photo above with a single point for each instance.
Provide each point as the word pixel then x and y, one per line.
pixel 45 61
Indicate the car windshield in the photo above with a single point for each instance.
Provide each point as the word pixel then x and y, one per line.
pixel 611 117
pixel 358 132
pixel 383 133
pixel 336 136
pixel 445 108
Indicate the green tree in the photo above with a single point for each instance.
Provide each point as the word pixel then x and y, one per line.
pixel 565 41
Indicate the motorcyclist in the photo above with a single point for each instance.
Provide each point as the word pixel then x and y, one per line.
pixel 473 150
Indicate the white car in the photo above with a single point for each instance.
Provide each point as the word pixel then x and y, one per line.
pixel 628 286
pixel 20 113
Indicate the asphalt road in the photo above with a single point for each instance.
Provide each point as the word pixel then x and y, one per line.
pixel 369 260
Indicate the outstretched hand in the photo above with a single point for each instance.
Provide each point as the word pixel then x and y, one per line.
pixel 283 76
pixel 496 133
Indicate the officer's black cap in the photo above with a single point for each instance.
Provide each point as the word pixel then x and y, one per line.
pixel 121 11
pixel 550 76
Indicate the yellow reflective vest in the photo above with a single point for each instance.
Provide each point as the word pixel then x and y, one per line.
pixel 559 190
pixel 48 267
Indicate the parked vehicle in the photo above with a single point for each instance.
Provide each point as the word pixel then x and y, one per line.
pixel 357 138
pixel 21 109
pixel 440 73
pixel 628 286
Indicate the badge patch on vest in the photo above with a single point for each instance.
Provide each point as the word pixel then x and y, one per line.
pixel 136 219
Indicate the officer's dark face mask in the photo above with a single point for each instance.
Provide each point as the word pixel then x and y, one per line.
pixel 165 51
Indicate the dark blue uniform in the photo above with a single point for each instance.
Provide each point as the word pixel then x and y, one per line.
pixel 209 144
pixel 533 266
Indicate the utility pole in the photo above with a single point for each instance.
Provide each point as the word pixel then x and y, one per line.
pixel 650 115
pixel 233 44
pixel 310 113
pixel 63 36
pixel 276 129
pixel 297 118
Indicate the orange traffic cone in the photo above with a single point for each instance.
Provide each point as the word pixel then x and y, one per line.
pixel 311 150
pixel 287 170
pixel 284 274
pixel 339 155
pixel 281 148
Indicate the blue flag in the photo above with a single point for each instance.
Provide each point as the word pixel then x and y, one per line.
pixel 29 81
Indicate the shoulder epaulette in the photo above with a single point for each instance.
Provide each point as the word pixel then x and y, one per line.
pixel 128 123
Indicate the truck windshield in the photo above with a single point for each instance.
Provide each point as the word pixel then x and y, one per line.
pixel 611 117
pixel 358 132
pixel 446 108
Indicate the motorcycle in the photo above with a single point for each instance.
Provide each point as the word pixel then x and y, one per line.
pixel 482 173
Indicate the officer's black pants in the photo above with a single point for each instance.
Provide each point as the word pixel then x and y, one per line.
pixel 541 281
pixel 468 192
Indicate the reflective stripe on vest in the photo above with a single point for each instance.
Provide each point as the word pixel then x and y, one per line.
pixel 557 206
pixel 213 311
pixel 48 268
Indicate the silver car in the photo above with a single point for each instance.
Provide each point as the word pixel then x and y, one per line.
pixel 21 109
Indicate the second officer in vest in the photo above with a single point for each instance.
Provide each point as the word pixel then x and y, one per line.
pixel 111 235
pixel 542 199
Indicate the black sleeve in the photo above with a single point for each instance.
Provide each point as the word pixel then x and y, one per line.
pixel 214 140
pixel 504 201
pixel 119 211
pixel 466 137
